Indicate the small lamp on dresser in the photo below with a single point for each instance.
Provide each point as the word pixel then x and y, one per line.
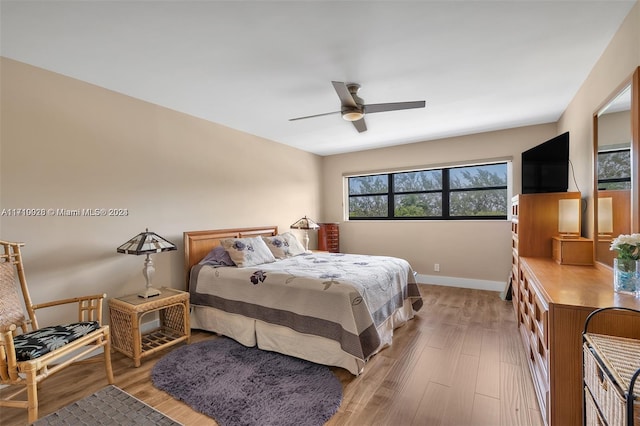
pixel 569 218
pixel 569 248
pixel 146 243
pixel 306 224
pixel 605 216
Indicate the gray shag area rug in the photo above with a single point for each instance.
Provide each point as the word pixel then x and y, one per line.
pixel 236 385
pixel 108 406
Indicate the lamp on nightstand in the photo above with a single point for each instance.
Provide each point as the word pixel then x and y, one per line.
pixel 146 243
pixel 306 224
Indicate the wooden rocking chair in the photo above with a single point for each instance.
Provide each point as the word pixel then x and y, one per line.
pixel 28 357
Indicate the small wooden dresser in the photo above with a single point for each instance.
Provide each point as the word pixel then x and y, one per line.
pixel 329 237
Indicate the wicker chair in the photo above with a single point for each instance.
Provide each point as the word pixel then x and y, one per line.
pixel 28 353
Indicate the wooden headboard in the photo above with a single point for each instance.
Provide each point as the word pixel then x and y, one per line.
pixel 197 244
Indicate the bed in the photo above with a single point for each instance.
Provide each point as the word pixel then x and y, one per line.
pixel 330 308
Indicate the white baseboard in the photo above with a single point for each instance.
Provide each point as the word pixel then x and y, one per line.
pixel 148 326
pixel 461 282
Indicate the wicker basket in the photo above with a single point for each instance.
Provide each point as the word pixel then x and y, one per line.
pixel 593 416
pixel 609 363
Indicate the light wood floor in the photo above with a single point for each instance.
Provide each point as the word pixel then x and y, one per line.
pixel 459 362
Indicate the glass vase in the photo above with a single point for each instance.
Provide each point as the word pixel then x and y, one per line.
pixel 625 276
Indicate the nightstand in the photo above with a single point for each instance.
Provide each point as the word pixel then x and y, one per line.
pixel 125 316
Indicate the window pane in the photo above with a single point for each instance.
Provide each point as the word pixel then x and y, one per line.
pixel 377 184
pixel 426 180
pixel 478 176
pixel 369 206
pixel 603 186
pixel 614 164
pixel 418 205
pixel 491 202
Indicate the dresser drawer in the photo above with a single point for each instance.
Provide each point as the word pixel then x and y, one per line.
pixel 540 316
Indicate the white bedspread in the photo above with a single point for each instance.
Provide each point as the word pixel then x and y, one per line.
pixel 341 297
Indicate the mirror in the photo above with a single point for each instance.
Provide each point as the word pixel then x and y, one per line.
pixel 615 133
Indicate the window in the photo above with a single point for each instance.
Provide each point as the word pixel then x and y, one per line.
pixel 614 169
pixel 464 192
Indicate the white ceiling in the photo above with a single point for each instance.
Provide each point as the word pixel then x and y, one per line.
pixel 251 65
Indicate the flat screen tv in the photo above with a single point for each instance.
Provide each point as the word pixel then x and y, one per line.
pixel 545 168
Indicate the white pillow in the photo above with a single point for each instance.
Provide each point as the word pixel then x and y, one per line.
pixel 284 245
pixel 247 251
pixel 295 246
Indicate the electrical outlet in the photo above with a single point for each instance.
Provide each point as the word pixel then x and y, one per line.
pixel 436 267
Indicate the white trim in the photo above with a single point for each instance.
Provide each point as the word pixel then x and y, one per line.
pixel 461 282
pixel 146 327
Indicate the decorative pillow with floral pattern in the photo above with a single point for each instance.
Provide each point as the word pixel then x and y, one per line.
pixel 247 251
pixel 284 245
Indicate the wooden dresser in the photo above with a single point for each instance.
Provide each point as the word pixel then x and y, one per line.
pixel 329 237
pixel 552 302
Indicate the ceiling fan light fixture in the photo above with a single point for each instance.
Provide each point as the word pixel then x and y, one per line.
pixel 352 114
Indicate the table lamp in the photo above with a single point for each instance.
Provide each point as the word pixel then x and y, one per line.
pixel 306 224
pixel 569 218
pixel 147 243
pixel 605 216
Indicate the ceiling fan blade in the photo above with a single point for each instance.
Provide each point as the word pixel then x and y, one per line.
pixel 360 125
pixel 316 115
pixel 393 106
pixel 343 93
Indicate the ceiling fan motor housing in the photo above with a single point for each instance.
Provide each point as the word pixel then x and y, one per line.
pixel 353 89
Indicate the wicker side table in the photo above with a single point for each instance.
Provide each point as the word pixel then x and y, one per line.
pixel 125 316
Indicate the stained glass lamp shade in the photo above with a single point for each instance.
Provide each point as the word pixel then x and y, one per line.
pixel 306 224
pixel 147 243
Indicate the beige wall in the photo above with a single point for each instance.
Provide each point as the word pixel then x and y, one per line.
pixel 616 65
pixel 614 130
pixel 67 144
pixel 474 250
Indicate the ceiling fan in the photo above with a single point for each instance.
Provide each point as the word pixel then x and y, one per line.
pixel 353 108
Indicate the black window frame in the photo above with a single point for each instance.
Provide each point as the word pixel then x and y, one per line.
pixel 446 192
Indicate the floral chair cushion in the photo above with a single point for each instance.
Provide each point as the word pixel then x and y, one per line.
pixel 37 343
